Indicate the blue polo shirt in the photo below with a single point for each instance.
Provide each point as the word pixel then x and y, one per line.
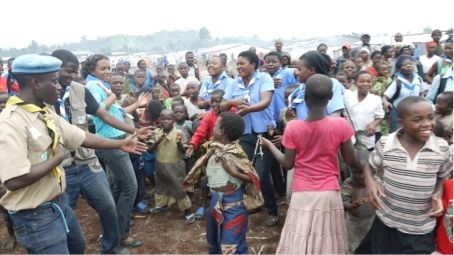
pixel 297 102
pixel 95 86
pixel 255 122
pixel 288 78
pixel 208 87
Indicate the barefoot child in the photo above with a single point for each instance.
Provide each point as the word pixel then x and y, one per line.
pixel 168 142
pixel 413 164
pixel 315 219
pixel 234 186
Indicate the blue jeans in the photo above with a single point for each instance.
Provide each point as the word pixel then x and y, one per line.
pixel 124 186
pixel 42 230
pixel 93 186
pixel 263 167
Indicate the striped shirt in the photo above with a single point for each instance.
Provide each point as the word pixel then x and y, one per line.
pixel 409 183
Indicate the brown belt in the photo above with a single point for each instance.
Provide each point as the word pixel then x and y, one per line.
pixel 229 187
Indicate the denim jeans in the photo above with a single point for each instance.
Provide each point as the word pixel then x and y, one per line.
pixel 42 230
pixel 263 167
pixel 94 187
pixel 139 172
pixel 124 185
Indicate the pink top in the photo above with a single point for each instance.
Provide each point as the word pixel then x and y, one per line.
pixel 316 144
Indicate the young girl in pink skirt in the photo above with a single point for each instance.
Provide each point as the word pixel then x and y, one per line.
pixel 315 218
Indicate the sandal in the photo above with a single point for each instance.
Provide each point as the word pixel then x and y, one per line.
pixel 190 218
pixel 131 243
pixel 158 209
pixel 272 220
pixel 141 208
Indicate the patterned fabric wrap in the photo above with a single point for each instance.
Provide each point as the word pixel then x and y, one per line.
pixel 233 152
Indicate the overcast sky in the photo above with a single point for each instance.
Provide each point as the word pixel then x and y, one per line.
pixel 54 22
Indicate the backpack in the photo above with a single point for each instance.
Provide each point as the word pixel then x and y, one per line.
pixel 441 88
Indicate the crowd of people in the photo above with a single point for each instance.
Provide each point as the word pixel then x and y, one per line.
pixel 360 146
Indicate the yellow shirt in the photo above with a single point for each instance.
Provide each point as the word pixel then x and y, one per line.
pixel 25 141
pixel 167 151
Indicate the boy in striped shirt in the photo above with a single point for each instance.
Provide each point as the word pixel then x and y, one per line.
pixel 412 163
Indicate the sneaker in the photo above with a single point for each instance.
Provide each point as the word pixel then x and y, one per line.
pixel 190 218
pixel 141 208
pixel 158 209
pixel 200 213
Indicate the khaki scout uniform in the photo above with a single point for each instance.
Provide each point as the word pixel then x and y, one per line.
pixel 25 141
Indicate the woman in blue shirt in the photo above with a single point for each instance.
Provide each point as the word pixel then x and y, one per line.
pixel 96 70
pixel 251 93
pixel 310 63
pixel 218 80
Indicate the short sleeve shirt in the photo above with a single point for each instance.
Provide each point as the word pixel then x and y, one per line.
pixel 255 122
pixel 414 88
pixel 287 75
pixel 316 144
pixel 208 86
pixel 96 87
pixel 409 183
pixel 336 103
pixel 25 141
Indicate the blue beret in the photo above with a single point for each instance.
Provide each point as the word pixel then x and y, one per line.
pixel 35 64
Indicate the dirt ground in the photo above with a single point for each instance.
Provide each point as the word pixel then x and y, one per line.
pixel 167 233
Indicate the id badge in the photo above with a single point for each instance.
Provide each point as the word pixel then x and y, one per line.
pixel 81 120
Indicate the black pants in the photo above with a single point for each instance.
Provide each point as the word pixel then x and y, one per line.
pixel 386 240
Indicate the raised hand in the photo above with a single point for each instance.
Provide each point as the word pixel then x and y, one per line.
pixel 144 99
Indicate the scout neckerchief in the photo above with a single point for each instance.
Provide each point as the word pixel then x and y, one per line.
pixel 50 124
pixel 410 86
pixel 297 96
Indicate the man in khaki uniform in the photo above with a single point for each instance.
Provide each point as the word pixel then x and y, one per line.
pixel 84 175
pixel 30 158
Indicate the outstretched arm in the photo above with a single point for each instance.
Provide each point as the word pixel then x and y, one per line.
pixel 287 160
